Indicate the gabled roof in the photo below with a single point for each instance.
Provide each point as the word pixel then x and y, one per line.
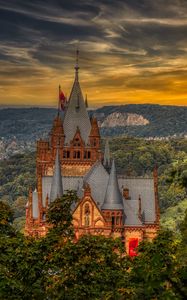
pixel 56 185
pixel 76 114
pixel 113 198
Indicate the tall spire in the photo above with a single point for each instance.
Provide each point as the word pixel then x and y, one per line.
pixel 76 113
pixel 107 161
pixel 113 198
pixel 56 185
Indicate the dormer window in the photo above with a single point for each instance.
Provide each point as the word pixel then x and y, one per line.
pixel 126 194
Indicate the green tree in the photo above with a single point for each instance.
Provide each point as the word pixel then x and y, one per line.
pixel 156 272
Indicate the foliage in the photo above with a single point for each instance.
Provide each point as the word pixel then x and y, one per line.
pixel 156 272
pixel 6 214
pixel 172 217
pixel 94 267
pixel 16 175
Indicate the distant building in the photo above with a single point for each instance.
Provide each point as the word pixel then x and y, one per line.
pixel 109 205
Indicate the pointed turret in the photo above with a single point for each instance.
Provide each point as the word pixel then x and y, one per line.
pixel 106 160
pixel 76 113
pixel 56 185
pixel 113 198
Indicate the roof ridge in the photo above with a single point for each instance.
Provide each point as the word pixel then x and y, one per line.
pixel 90 171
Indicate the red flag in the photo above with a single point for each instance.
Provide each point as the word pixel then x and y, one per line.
pixel 133 244
pixel 62 99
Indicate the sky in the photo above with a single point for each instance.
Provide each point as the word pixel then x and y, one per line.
pixel 131 51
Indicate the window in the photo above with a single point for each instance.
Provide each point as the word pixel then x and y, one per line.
pixel 66 154
pixel 117 220
pixel 87 215
pixel 76 154
pixel 87 154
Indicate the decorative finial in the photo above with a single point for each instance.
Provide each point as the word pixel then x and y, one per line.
pixel 77 65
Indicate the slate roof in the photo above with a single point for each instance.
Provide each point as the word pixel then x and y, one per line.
pixel 143 187
pixel 97 178
pixel 69 183
pixel 56 185
pixel 113 196
pixel 131 212
pixel 76 114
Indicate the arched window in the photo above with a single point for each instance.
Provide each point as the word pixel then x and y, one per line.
pixel 87 215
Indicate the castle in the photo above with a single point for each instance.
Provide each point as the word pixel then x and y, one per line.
pixel 109 205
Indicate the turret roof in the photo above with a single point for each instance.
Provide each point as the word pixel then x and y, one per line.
pixel 113 198
pixel 56 185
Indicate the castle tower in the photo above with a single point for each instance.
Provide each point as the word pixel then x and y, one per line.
pixel 112 207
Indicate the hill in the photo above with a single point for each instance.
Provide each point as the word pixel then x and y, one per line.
pixel 146 120
pixel 163 121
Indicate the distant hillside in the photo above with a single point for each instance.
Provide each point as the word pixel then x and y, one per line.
pixel 29 124
pixel 163 120
pixel 26 123
pixel 122 119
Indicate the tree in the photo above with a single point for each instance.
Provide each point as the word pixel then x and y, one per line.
pixel 156 273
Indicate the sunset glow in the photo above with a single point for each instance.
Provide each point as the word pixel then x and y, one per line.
pixel 130 51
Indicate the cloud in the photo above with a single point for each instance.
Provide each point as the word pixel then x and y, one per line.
pixel 129 50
